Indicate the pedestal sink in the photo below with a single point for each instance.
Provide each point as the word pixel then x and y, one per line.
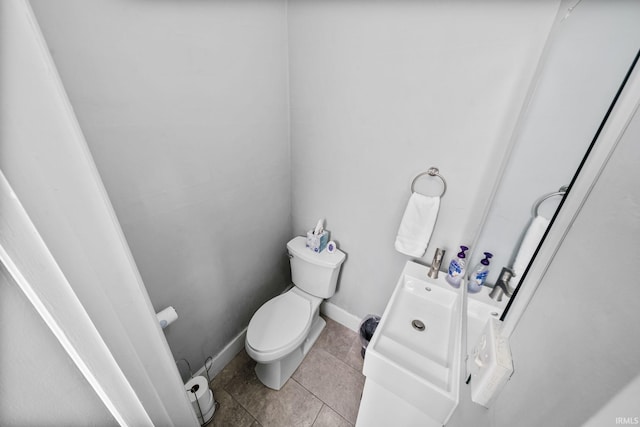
pixel 412 364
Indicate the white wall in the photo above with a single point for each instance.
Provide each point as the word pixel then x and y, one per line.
pixel 619 406
pixel 575 347
pixel 47 163
pixel 589 54
pixel 380 91
pixel 184 107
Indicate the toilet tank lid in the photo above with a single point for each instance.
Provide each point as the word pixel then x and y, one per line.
pixel 298 247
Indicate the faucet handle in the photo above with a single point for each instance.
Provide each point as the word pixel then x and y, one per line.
pixel 502 285
pixel 435 264
pixel 505 275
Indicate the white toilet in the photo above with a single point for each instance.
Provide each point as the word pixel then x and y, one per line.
pixel 283 330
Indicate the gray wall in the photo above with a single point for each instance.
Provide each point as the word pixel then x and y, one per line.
pixel 116 60
pixel 184 107
pixel 380 91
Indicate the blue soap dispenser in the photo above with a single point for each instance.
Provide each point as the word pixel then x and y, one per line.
pixel 456 268
pixel 479 274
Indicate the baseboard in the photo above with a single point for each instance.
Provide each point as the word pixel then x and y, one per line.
pixel 225 356
pixel 340 315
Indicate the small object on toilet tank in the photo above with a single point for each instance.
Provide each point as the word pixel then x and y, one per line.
pixel 319 227
pixel 317 243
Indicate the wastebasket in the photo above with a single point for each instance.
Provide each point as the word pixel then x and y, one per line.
pixel 367 328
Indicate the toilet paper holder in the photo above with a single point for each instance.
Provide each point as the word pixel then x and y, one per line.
pixel 166 317
pixel 208 363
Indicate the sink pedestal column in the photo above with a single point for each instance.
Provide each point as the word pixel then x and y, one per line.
pixel 380 407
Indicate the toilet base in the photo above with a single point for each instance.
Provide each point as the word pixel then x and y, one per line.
pixel 275 374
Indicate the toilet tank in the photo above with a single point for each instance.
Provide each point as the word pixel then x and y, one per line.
pixel 314 273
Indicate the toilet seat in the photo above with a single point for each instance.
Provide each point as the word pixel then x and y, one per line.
pixel 279 326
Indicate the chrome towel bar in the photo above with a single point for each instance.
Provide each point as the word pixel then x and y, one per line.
pixel 561 192
pixel 432 171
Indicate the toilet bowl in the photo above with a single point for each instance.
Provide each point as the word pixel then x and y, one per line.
pixel 283 330
pixel 281 333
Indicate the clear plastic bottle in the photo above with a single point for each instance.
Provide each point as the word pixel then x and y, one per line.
pixel 479 274
pixel 456 268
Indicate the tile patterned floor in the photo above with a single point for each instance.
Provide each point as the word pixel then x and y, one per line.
pixel 324 391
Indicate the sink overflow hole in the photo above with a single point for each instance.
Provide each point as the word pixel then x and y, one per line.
pixel 418 325
pixel 428 289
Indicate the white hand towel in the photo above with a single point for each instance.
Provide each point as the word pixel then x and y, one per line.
pixel 530 242
pixel 417 224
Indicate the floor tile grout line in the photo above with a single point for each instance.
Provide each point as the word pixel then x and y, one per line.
pixel 311 393
pixel 224 388
pixel 318 397
pixel 292 379
pixel 323 402
pixel 318 414
pixel 357 370
pixel 344 361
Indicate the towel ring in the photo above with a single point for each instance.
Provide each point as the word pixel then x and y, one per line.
pixel 561 192
pixel 431 172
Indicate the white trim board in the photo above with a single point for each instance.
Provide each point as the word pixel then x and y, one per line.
pixel 54 175
pixel 225 356
pixel 340 315
pixel 35 271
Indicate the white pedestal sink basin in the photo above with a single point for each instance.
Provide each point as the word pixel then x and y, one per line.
pixel 414 356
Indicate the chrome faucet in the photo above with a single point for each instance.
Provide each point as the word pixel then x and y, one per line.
pixel 502 285
pixel 435 264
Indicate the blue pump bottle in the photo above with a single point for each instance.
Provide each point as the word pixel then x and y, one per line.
pixel 479 274
pixel 456 268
